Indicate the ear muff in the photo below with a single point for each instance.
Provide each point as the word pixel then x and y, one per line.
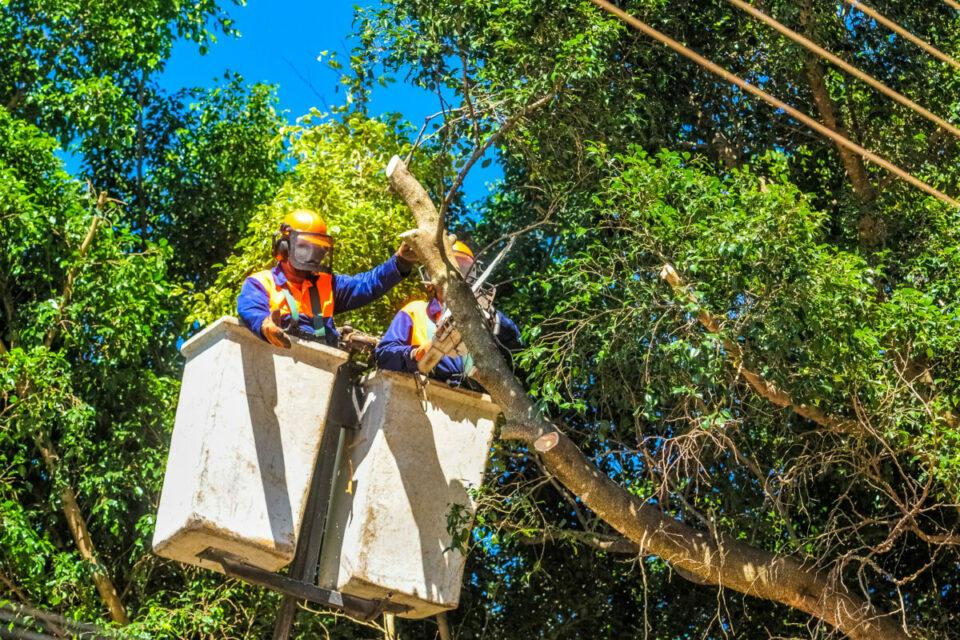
pixel 281 243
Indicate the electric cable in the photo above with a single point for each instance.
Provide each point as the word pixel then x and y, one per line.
pixel 779 104
pixel 893 26
pixel 849 68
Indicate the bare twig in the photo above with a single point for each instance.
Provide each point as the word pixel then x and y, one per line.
pixel 478 152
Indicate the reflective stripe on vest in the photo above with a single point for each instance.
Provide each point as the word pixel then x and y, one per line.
pixel 423 325
pixel 300 293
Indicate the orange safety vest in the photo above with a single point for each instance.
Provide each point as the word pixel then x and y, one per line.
pixel 300 293
pixel 423 325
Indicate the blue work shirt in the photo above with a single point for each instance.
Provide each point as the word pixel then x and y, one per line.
pixel 349 293
pixel 395 351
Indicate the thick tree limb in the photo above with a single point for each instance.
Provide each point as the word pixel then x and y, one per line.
pixel 762 386
pixel 725 562
pixel 852 162
pixel 81 535
pixel 494 372
pixel 728 563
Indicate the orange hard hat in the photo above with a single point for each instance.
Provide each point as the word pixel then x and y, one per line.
pixel 461 250
pixel 303 240
pixel 304 220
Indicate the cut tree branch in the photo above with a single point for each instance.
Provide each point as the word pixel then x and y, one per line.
pixel 718 560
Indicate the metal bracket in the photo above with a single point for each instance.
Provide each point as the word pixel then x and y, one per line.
pixel 343 414
pixel 360 608
pixel 345 400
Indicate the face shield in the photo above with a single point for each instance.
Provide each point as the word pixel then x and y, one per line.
pixel 311 252
pixel 467 266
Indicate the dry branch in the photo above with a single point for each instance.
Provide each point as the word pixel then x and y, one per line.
pixel 482 148
pixel 81 535
pixel 765 388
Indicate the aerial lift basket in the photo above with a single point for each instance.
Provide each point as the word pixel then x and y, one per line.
pixel 417 456
pixel 247 434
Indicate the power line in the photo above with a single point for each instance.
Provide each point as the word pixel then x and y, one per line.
pixel 849 68
pixel 779 104
pixel 893 26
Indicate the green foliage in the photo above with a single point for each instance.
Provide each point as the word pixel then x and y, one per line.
pixel 339 173
pixel 72 66
pixel 842 295
pixel 89 320
pixel 622 354
pixel 82 325
pixel 216 156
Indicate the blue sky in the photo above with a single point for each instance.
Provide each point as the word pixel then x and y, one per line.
pixel 279 44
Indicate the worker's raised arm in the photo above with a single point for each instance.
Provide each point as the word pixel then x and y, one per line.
pixel 353 292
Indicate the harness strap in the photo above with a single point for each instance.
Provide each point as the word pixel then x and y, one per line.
pixel 319 328
pixel 294 313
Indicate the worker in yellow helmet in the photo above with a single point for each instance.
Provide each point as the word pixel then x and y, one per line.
pixel 409 336
pixel 300 295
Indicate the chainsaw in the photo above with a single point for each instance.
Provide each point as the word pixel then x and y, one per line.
pixel 447 340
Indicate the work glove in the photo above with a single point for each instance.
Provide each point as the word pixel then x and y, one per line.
pixel 406 257
pixel 418 352
pixel 271 331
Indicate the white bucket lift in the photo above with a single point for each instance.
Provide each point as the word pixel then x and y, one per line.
pixel 398 478
pixel 248 429
pixel 260 435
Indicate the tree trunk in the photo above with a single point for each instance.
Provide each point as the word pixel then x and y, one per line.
pixel 813 68
pixel 870 226
pixel 724 562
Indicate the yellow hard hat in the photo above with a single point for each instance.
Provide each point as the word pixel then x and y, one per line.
pixel 303 220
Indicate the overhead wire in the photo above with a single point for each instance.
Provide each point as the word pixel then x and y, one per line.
pixel 893 26
pixel 779 104
pixel 843 64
